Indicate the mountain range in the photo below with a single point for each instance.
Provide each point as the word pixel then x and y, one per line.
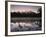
pixel 31 14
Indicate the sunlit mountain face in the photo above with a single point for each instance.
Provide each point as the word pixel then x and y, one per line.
pixel 25 8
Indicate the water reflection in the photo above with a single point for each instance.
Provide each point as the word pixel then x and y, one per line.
pixel 25 26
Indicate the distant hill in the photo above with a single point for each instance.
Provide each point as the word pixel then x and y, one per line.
pixel 30 14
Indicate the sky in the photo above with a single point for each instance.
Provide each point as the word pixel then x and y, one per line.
pixel 24 8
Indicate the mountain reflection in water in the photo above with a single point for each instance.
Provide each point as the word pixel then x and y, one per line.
pixel 25 26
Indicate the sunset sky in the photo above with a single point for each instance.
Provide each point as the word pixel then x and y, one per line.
pixel 24 8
